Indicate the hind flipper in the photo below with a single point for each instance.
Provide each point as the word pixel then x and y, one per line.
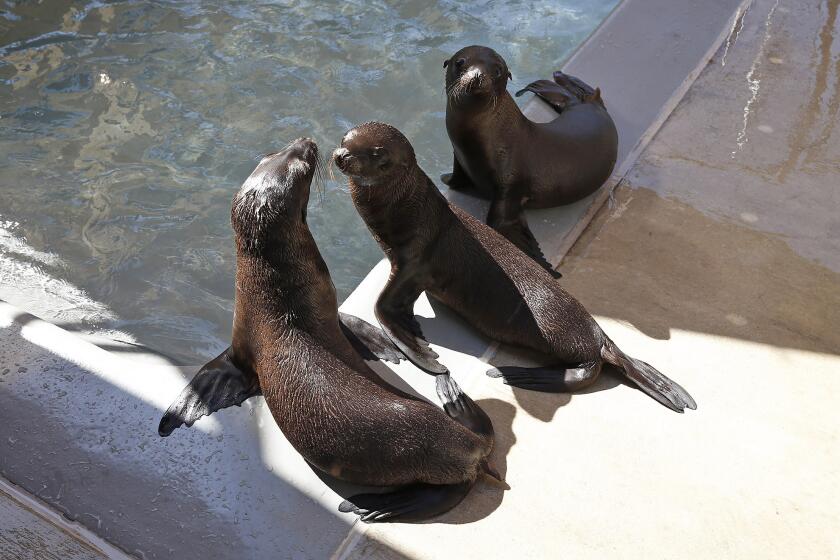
pixel 549 379
pixel 649 379
pixel 508 218
pixel 667 391
pixel 461 408
pixel 370 342
pixel 412 503
pixel 563 92
pixel 581 90
pixel 217 385
pixel 555 95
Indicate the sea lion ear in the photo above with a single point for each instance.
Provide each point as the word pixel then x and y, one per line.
pixel 446 63
pixel 509 76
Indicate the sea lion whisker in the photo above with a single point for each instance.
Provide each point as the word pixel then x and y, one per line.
pixel 330 163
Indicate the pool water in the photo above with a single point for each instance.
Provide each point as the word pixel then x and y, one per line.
pixel 126 127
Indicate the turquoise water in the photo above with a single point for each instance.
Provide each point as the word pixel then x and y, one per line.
pixel 126 127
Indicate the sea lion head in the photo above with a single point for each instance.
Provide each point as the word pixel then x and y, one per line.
pixel 373 154
pixel 275 196
pixel 475 74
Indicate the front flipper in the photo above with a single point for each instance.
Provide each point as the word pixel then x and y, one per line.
pixel 412 503
pixel 217 385
pixel 404 331
pixel 395 312
pixel 370 342
pixel 458 179
pixel 549 379
pixel 508 218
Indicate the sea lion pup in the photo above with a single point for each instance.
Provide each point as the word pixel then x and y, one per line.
pixel 435 246
pixel 515 162
pixel 338 413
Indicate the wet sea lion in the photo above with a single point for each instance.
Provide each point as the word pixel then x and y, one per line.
pixel 517 163
pixel 468 266
pixel 288 343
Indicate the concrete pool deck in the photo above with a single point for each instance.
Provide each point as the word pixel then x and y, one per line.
pixel 718 262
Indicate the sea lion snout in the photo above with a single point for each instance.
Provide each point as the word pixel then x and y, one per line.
pixel 276 191
pixel 298 156
pixel 341 157
pixel 305 149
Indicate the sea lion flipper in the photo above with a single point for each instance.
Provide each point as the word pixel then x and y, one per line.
pixel 217 385
pixel 510 222
pixel 395 312
pixel 404 331
pixel 370 342
pixel 563 92
pixel 549 379
pixel 458 179
pixel 581 90
pixel 650 380
pixel 555 95
pixel 461 408
pixel 412 503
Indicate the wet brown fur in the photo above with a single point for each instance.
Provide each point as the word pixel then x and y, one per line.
pixel 330 405
pixel 436 247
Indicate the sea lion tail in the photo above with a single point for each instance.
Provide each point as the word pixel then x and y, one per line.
pixel 649 379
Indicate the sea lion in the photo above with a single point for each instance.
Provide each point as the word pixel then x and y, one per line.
pixel 469 267
pixel 288 342
pixel 517 163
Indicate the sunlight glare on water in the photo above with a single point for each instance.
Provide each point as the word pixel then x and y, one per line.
pixel 126 127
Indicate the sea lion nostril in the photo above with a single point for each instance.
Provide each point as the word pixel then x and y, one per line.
pixel 340 156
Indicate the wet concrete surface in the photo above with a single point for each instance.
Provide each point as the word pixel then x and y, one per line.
pixel 730 222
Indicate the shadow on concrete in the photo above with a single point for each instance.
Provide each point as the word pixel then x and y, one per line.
pixel 90 449
pixel 661 264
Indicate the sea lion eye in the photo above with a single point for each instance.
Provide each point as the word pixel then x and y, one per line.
pixel 460 63
pixel 381 156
